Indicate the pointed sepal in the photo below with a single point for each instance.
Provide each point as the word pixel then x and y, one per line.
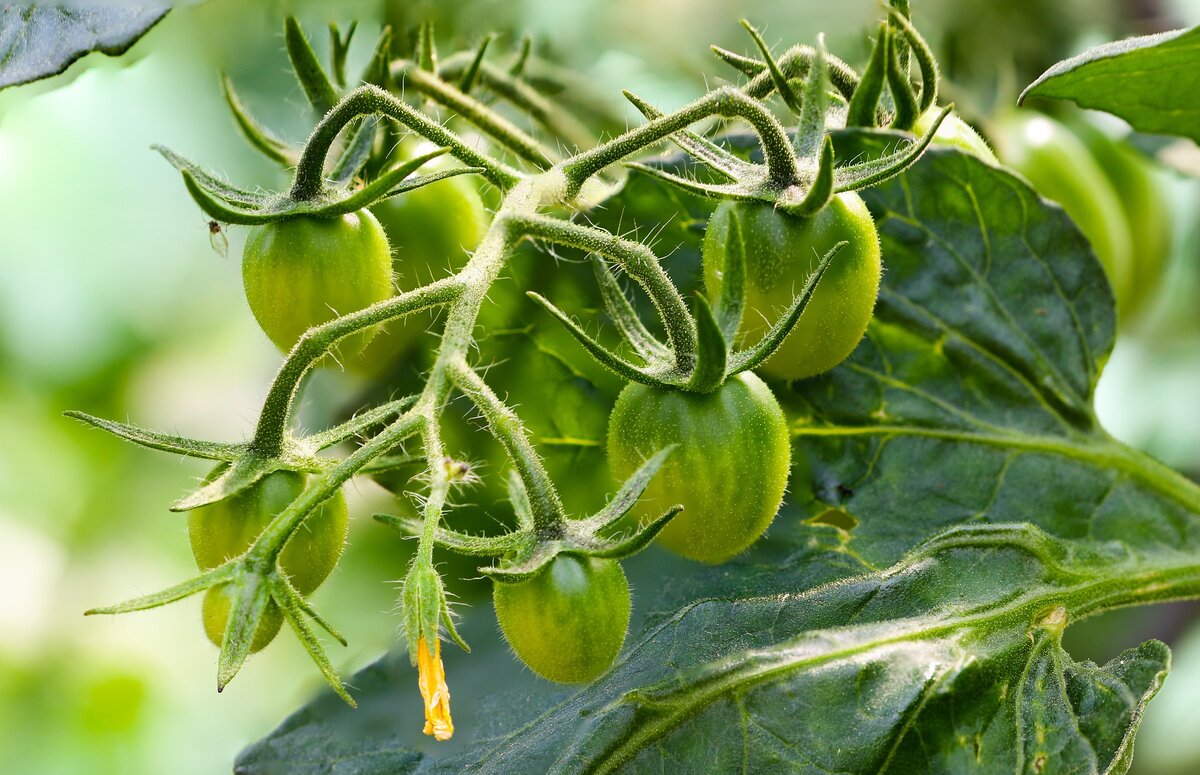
pixel 251 595
pixel 353 160
pixel 230 480
pixel 753 356
pixel 211 182
pixel 255 133
pixel 518 496
pixel 517 69
pixel 206 450
pixel 339 48
pixel 469 76
pixel 820 190
pixel 623 315
pixel 598 351
pixel 359 424
pixel 523 567
pixel 712 351
pixel 219 575
pixel 777 77
pixel 639 539
pixel 462 543
pixel 864 102
pixel 426 53
pixel 731 300
pixel 747 66
pixel 312 76
pixel 728 165
pixel 708 190
pixel 294 609
pixel 631 490
pixel 379 71
pixel 856 176
pixel 810 131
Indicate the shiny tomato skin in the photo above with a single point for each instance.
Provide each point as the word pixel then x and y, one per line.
pixel 729 470
pixel 781 250
pixel 226 529
pixel 304 271
pixel 567 623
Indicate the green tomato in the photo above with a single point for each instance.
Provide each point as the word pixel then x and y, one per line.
pixel 568 622
pixel 218 602
pixel 955 133
pixel 781 251
pixel 226 529
pixel 1060 168
pixel 304 271
pixel 729 471
pixel 432 231
pixel 1146 204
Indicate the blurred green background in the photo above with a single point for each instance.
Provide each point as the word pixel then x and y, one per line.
pixel 113 301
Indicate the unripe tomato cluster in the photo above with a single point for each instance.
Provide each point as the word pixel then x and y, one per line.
pixel 226 529
pixel 731 465
pixel 732 452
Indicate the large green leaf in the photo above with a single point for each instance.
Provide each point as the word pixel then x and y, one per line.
pixel 1153 82
pixel 956 507
pixel 41 40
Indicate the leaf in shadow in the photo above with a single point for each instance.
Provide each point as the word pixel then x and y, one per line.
pixel 39 40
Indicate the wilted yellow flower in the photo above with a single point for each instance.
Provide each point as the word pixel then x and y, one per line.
pixel 431 677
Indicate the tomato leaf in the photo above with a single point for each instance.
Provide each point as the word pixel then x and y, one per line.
pixel 38 41
pixel 1153 82
pixel 985 510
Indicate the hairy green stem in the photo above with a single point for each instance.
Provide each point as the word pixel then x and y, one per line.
pixel 439 487
pixel 271 432
pixel 505 425
pixel 492 123
pixel 638 261
pixel 726 102
pixel 372 100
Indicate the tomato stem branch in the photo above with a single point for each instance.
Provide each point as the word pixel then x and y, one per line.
pixel 271 433
pixel 726 102
pixel 372 100
pixel 550 114
pixel 495 125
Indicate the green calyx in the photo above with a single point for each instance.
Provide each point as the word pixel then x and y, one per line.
pixel 885 96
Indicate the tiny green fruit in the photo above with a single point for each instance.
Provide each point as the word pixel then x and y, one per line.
pixel 568 622
pixel 304 271
pixel 729 470
pixel 781 251
pixel 227 528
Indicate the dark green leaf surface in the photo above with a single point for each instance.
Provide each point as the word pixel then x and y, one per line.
pixel 1153 82
pixel 38 41
pixel 980 510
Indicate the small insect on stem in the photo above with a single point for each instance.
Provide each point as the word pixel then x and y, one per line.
pixel 217 238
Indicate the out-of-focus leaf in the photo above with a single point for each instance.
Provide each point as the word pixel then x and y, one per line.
pixel 38 41
pixel 1153 82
